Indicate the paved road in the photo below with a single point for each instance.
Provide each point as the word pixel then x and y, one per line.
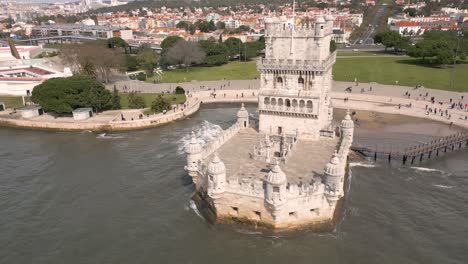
pixel 367 36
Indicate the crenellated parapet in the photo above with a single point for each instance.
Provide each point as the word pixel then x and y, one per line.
pixel 277 28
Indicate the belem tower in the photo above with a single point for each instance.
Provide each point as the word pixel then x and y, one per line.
pixel 287 170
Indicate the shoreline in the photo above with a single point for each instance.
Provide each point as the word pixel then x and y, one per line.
pixel 362 102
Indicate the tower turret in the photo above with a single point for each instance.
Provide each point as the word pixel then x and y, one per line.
pixel 275 189
pixel 243 116
pixel 334 180
pixel 216 176
pixel 347 126
pixel 194 155
pixel 320 27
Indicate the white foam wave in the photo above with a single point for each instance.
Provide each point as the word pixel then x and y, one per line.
pixel 248 232
pixel 443 186
pixel 193 206
pixel 426 169
pixel 205 132
pixel 108 136
pixel 362 164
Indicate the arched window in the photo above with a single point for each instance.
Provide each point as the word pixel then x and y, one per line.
pixel 288 103
pixel 266 101
pixel 273 101
pixel 294 103
pixel 279 80
pixel 280 101
pixel 300 80
pixel 301 103
pixel 309 106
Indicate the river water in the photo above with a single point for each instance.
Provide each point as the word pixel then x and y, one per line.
pixel 81 197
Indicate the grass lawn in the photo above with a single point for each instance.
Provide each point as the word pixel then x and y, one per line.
pixel 149 97
pixel 363 53
pixel 232 71
pixel 405 70
pixel 385 70
pixel 13 101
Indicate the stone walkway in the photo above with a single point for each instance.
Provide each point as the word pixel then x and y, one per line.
pixel 382 98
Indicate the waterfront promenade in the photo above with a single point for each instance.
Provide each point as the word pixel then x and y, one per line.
pixel 381 98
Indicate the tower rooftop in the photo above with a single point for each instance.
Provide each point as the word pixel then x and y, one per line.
pixel 308 158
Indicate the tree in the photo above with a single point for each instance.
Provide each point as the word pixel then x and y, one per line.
pixel 141 76
pixel 332 46
pixel 63 95
pixel 169 42
pixel 250 50
pixel 220 25
pixel 212 26
pixel 233 46
pixel 203 26
pixel 391 39
pixel 148 60
pixel 216 53
pixel 92 59
pixel 117 42
pixel 179 90
pixel 135 101
pixel 115 99
pixel 411 11
pixel 440 47
pixel 185 52
pixel 131 62
pixel 160 104
pixel 183 24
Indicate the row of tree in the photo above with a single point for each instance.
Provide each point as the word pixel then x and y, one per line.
pixel 176 50
pixel 435 47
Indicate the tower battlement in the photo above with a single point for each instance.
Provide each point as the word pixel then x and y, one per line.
pixel 309 29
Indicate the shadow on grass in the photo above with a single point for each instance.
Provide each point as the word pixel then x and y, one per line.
pixel 427 63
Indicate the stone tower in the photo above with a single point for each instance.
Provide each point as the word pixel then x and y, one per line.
pixel 295 78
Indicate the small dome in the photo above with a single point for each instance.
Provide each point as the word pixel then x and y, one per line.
pixel 347 122
pixel 194 146
pixel 329 18
pixel 242 113
pixel 276 175
pixel 216 166
pixel 320 19
pixel 333 166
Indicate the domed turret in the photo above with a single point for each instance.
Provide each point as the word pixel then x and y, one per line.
pixel 347 126
pixel 275 190
pixel 243 116
pixel 194 146
pixel 320 19
pixel 319 24
pixel 276 175
pixel 334 179
pixel 194 154
pixel 216 177
pixel 216 166
pixel 333 167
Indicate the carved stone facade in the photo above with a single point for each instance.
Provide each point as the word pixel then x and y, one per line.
pixel 295 78
pixel 290 171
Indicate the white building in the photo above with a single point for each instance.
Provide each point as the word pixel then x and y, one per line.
pixel 21 79
pixel 31 111
pixel 82 113
pixel 288 171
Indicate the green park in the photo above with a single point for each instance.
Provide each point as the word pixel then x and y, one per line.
pixel 407 71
